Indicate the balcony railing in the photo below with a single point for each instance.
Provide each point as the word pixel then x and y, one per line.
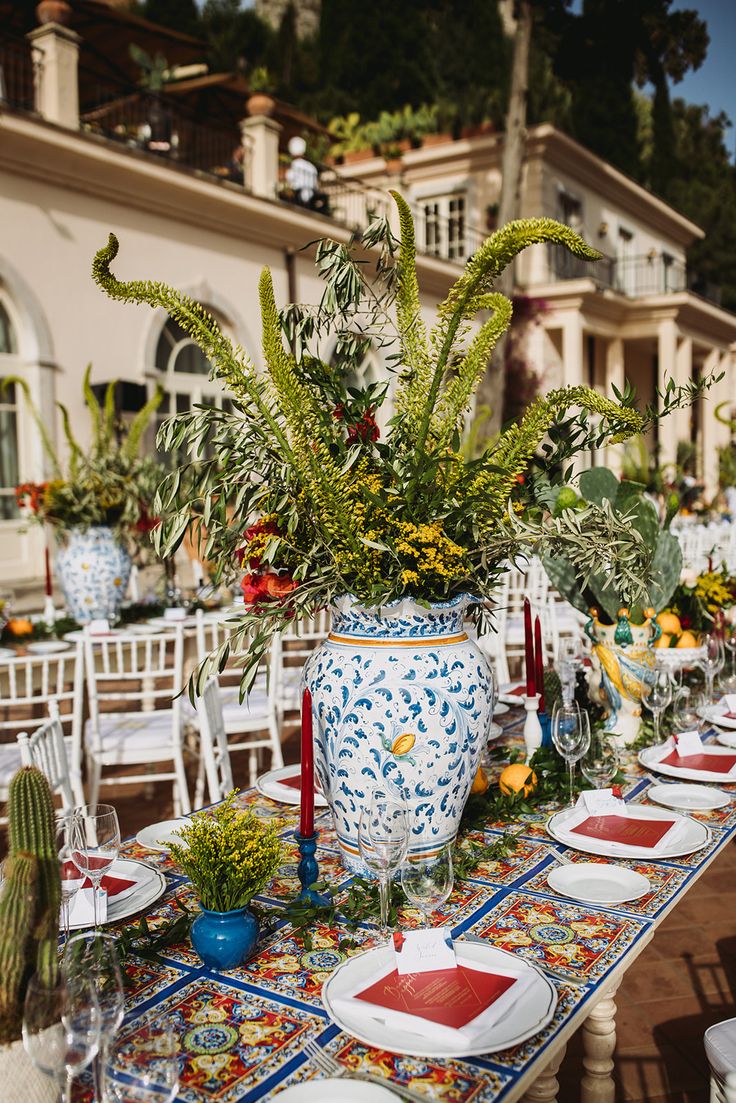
pixel 19 72
pixel 636 276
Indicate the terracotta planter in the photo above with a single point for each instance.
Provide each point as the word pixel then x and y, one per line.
pixel 53 11
pixel 436 139
pixel 260 104
pixel 21 1081
pixel 353 155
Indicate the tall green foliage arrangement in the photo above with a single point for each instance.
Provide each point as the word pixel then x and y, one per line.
pixel 304 492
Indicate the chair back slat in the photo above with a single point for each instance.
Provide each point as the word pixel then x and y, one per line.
pixel 214 742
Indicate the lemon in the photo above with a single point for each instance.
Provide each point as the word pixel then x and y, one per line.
pixel 665 640
pixel 670 623
pixel 566 499
pixel 687 639
pixel 517 778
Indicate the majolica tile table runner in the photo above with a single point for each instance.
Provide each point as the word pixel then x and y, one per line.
pixel 242 1033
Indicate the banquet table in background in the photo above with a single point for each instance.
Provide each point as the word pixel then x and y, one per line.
pixel 242 1033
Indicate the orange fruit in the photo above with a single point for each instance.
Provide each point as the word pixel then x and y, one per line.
pixel 669 623
pixel 19 626
pixel 687 639
pixel 517 778
pixel 665 640
pixel 480 781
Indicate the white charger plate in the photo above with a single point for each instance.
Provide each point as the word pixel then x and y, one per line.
pixel 530 1014
pixel 716 714
pixel 336 1090
pixel 688 798
pixel 8 653
pixel 269 785
pixel 133 900
pixel 648 760
pixel 47 647
pixel 598 883
pixel 696 835
pixel 158 836
pixel 508 698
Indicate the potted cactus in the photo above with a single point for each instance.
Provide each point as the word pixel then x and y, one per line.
pixel 622 623
pixel 29 928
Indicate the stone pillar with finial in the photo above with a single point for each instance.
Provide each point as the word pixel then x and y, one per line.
pixel 56 75
pixel 260 138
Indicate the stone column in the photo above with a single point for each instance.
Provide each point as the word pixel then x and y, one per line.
pixel 56 80
pixel 572 350
pixel 615 377
pixel 713 433
pixel 260 138
pixel 678 423
pixel 667 358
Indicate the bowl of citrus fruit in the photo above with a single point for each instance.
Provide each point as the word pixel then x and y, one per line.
pixel 677 646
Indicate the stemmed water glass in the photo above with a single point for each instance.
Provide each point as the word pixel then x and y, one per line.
pixel 144 1068
pixel 571 736
pixel 712 661
pixel 599 764
pixel 383 840
pixel 427 881
pixel 569 658
pixel 71 878
pixel 94 956
pixel 95 843
pixel 61 1027
pixel 657 695
pixel 689 708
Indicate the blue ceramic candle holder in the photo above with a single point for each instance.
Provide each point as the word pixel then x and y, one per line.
pixel 545 722
pixel 308 868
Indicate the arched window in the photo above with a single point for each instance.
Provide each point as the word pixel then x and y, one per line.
pixel 9 475
pixel 184 372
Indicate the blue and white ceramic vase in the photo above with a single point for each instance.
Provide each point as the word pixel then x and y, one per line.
pixel 93 568
pixel 225 940
pixel 402 700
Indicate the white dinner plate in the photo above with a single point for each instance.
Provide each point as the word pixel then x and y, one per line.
pixel 500 709
pixel 270 785
pixel 715 714
pixel 158 836
pixel 694 836
pixel 158 623
pixel 336 1090
pixel 531 1012
pixel 596 883
pixel 47 647
pixel 506 695
pixel 648 760
pixel 688 798
pixel 8 653
pixel 132 900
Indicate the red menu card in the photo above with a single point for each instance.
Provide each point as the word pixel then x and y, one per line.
pixel 714 763
pixel 518 691
pixel 624 829
pixel 452 997
pixel 113 886
pixel 295 782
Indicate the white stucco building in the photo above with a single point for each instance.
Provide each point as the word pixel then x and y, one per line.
pixel 65 184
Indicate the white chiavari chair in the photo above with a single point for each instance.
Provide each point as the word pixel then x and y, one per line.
pixel 720 1049
pixel 28 684
pixel 492 642
pixel 252 725
pixel 135 715
pixel 214 746
pixel 289 653
pixel 46 750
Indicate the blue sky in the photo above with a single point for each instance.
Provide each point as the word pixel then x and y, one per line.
pixel 714 82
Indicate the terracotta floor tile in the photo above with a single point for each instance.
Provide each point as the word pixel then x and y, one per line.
pixel 668 1074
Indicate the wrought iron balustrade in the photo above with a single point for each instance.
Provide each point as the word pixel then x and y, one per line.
pixel 20 70
pixel 636 276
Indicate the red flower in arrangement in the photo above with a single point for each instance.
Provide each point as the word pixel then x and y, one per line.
pixel 686 621
pixel 30 495
pixel 364 429
pixel 339 412
pixel 145 522
pixel 520 480
pixel 255 537
pixel 260 589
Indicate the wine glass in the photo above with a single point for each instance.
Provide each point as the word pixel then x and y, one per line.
pixel 94 956
pixel 383 840
pixel 144 1067
pixel 657 695
pixel 427 881
pixel 569 657
pixel 729 643
pixel 95 843
pixel 599 764
pixel 712 661
pixel 61 1027
pixel 689 709
pixel 71 878
pixel 571 736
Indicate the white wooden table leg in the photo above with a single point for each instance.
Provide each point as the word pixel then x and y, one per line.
pixel 544 1088
pixel 599 1042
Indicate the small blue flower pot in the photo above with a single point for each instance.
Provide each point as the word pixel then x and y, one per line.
pixel 225 939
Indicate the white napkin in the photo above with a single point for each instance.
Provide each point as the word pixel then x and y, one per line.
pixel 427 1029
pixel 82 911
pixel 82 907
pixel 99 627
pixel 729 700
pixel 670 745
pixel 175 613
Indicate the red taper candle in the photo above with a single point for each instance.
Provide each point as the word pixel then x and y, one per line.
pixel 306 820
pixel 539 662
pixel 529 649
pixel 49 587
